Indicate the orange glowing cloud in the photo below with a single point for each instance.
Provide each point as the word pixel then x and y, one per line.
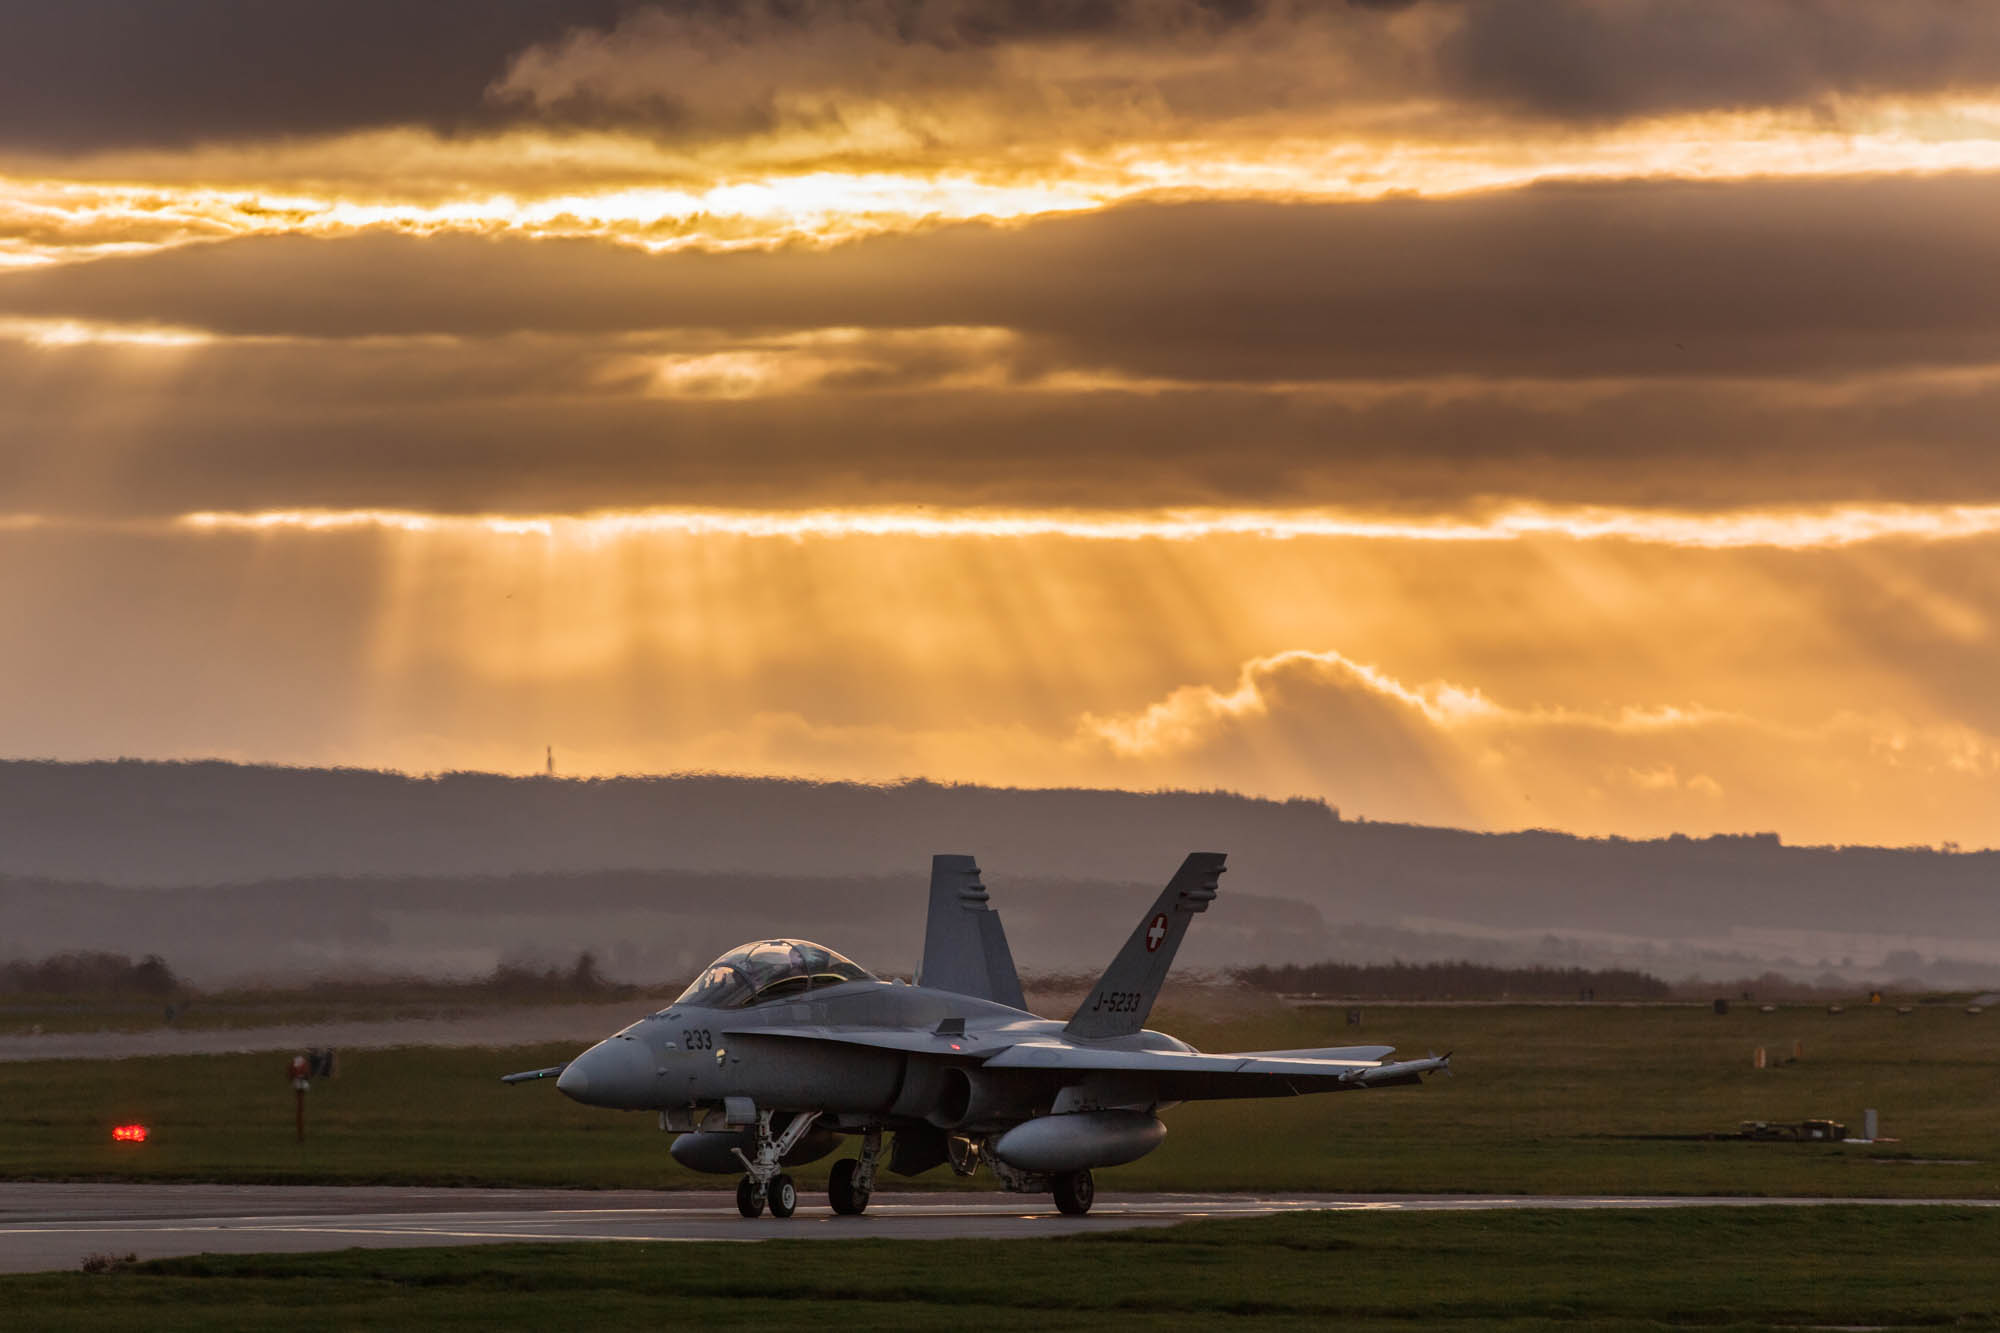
pixel 631 191
pixel 1800 529
pixel 1445 753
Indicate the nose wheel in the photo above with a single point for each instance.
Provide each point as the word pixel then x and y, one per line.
pixel 763 1184
pixel 781 1195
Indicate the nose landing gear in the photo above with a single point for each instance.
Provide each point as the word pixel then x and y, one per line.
pixel 763 1183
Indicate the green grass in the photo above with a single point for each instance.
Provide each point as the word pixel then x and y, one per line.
pixel 1705 1268
pixel 1547 1100
pixel 330 1002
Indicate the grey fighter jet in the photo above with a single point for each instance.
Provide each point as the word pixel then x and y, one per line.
pixel 782 1047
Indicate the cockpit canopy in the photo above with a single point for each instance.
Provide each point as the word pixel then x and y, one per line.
pixel 769 970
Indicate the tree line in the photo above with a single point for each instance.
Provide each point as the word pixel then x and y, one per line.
pixel 89 974
pixel 1452 981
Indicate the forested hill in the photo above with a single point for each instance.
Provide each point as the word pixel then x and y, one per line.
pixel 169 824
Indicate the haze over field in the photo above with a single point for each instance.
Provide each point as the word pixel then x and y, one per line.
pixel 1566 414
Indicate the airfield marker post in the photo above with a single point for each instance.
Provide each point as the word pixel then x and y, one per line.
pixel 300 1067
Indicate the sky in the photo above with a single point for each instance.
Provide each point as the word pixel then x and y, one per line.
pixel 1498 413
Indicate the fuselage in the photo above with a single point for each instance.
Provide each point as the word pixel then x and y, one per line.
pixel 689 1056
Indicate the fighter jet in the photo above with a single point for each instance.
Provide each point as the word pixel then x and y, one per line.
pixel 783 1047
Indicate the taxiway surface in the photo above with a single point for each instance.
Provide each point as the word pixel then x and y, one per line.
pixel 53 1225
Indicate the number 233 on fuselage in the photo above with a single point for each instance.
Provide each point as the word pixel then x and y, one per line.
pixel 782 1047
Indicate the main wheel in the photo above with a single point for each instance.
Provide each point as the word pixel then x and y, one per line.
pixel 840 1192
pixel 1074 1192
pixel 784 1196
pixel 749 1199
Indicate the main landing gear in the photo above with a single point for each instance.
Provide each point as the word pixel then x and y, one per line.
pixel 763 1183
pixel 1074 1191
pixel 853 1178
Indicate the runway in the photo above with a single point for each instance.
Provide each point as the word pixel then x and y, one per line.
pixel 47 1226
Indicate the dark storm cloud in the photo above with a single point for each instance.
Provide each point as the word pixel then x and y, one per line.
pixel 92 74
pixel 86 74
pixel 537 425
pixel 1563 281
pixel 1591 59
pixel 753 65
pixel 95 74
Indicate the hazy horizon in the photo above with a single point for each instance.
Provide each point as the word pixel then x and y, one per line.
pixel 233 870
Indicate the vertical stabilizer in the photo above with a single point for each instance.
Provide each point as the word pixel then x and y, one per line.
pixel 1119 1003
pixel 965 947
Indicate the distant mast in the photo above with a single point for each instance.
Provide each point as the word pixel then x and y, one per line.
pixel 552 761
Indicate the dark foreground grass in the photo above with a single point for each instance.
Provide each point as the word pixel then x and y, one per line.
pixel 1702 1268
pixel 1546 1100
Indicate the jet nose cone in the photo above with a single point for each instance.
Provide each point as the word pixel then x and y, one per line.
pixel 615 1072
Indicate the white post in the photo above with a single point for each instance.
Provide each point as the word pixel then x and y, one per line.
pixel 1868 1124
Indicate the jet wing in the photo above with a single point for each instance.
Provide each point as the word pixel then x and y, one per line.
pixel 914 1040
pixel 1176 1075
pixel 1193 1076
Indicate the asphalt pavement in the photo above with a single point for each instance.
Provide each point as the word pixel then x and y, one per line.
pixel 47 1225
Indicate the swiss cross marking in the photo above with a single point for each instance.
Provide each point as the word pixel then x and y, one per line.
pixel 1156 932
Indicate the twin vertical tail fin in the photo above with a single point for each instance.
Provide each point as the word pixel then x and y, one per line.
pixel 965 947
pixel 1122 998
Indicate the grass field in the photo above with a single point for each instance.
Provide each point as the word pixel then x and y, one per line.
pixel 1710 1268
pixel 1547 1099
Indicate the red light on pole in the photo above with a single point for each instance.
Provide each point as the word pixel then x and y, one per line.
pixel 129 1134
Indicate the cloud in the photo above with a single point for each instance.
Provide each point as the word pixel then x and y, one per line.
pixel 1302 722
pixel 1634 279
pixel 876 74
pixel 1322 724
pixel 1638 344
pixel 927 75
pixel 94 74
pixel 1580 60
pixel 544 423
pixel 880 73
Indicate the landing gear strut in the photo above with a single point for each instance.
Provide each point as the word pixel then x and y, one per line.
pixel 763 1182
pixel 853 1178
pixel 1074 1191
